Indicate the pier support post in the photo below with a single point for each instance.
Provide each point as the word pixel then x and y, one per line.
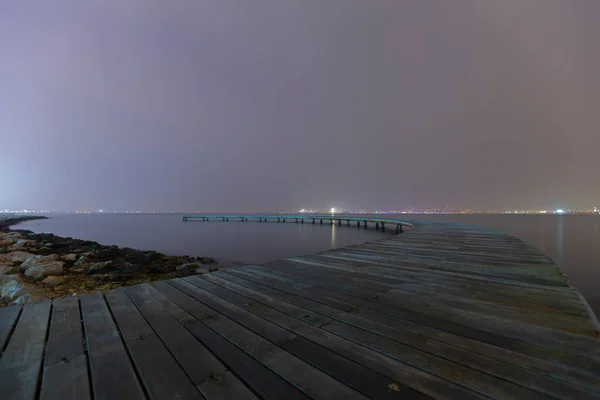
pixel 296 220
pixel 321 221
pixel 265 219
pixel 365 224
pixel 358 224
pixel 313 220
pixel 278 219
pixel 284 220
pixel 260 219
pixel 227 219
pixel 348 222
pixel 383 226
pixel 399 228
pixel 339 222
pixel 223 218
pixel 302 220
pixel 377 225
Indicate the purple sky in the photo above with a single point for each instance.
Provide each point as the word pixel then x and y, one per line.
pixel 264 105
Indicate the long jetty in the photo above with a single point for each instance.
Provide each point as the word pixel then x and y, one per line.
pixel 442 311
pixel 331 219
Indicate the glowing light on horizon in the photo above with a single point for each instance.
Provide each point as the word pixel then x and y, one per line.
pixel 559 211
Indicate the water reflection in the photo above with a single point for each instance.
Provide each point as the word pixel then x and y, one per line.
pixel 560 242
pixel 333 236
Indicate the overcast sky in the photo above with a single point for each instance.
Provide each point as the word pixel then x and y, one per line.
pixel 266 105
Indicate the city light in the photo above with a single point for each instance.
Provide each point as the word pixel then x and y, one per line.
pixel 333 210
pixel 559 211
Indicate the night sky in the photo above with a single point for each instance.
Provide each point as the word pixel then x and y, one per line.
pixel 268 105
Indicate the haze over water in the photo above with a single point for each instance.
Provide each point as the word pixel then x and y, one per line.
pixel 571 241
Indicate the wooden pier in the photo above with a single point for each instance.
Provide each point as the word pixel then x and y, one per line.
pixel 331 219
pixel 441 311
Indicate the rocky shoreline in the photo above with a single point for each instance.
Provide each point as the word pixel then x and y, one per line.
pixel 34 266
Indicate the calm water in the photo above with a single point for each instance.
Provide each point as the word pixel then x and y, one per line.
pixel 571 241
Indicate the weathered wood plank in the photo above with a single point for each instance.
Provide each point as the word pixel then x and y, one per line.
pixel 65 340
pixel 112 373
pixel 264 328
pixel 160 373
pixel 65 373
pixel 21 362
pixel 66 380
pixel 492 362
pixel 196 360
pixel 261 379
pixel 225 387
pixel 8 319
pixel 311 380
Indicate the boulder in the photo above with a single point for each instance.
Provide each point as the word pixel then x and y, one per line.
pixel 13 289
pixel 161 268
pixel 35 273
pixel 25 298
pixel 7 270
pixel 54 268
pixel 188 268
pixel 15 256
pixel 70 257
pixel 40 261
pixel 100 267
pixel 54 280
pixel 85 258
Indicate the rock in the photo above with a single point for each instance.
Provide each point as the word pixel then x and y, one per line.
pixel 54 280
pixel 161 268
pixel 54 268
pixel 137 257
pixel 213 269
pixel 7 242
pixel 8 270
pixel 23 299
pixel 100 267
pixel 189 268
pixel 15 256
pixel 70 257
pixel 13 289
pixel 86 257
pixel 36 273
pixel 205 260
pixel 41 261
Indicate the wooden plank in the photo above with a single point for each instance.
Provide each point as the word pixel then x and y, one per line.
pixel 162 377
pixel 492 362
pixel 301 313
pixel 130 322
pixel 455 372
pixel 160 373
pixel 438 321
pixel 65 373
pixel 399 372
pixel 65 341
pixel 185 301
pixel 261 379
pixel 311 380
pixel 363 379
pixel 8 319
pixel 225 387
pixel 22 360
pixel 112 373
pixel 194 357
pixel 264 328
pixel 66 380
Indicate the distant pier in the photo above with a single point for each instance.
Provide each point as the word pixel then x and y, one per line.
pixel 331 219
